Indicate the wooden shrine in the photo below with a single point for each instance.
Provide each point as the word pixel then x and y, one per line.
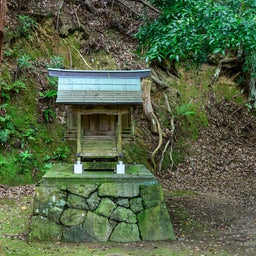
pixel 100 108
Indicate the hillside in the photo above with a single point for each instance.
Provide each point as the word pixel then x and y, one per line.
pixel 92 35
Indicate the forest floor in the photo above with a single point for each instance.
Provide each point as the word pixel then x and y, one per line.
pixel 216 184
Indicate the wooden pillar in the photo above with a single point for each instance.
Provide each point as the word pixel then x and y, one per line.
pixel 119 133
pixel 78 141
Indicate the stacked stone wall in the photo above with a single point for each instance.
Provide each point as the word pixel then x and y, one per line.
pixel 119 212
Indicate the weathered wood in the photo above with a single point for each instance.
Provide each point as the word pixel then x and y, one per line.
pixel 99 146
pixel 146 88
pixel 119 133
pixel 160 83
pixel 78 134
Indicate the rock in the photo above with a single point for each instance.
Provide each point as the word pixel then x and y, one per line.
pixel 76 234
pixel 97 227
pixel 125 232
pixel 49 202
pixel 154 224
pixel 136 204
pixel 82 190
pixel 77 202
pixel 105 207
pixel 72 217
pixel 123 202
pixel 123 214
pixel 152 195
pixel 93 201
pixel 126 190
pixel 44 230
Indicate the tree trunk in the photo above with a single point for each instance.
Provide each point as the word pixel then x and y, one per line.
pixel 2 24
pixel 252 82
pixel 149 112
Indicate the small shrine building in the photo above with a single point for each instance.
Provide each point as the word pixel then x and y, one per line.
pixel 100 109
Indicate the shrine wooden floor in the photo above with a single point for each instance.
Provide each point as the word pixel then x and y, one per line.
pixel 99 147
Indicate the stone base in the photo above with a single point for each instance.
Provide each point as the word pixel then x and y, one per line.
pixel 99 207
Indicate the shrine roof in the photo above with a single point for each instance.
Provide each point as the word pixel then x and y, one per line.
pixel 99 86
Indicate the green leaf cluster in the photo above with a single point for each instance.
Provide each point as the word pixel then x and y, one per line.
pixel 27 24
pixel 189 29
pixel 6 126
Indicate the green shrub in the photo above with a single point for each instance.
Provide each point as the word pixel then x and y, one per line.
pixel 48 94
pixel 6 127
pixel 27 24
pixel 56 62
pixel 25 62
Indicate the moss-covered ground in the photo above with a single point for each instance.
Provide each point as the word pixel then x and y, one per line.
pixel 14 226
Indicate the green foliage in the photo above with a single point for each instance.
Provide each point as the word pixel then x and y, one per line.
pixel 192 29
pixel 27 25
pixel 24 162
pixel 6 126
pixel 15 87
pixel 25 62
pixel 29 134
pixel 48 94
pixel 134 152
pixel 53 81
pixel 24 156
pixel 56 62
pixel 60 154
pixel 49 114
pixel 185 110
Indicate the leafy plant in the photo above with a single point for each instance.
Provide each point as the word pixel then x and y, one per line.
pixel 24 155
pixel 24 161
pixel 30 134
pixel 48 94
pixel 27 24
pixel 185 110
pixel 25 62
pixel 56 62
pixel 6 127
pixel 53 81
pixel 196 30
pixel 16 87
pixel 49 114
pixel 61 153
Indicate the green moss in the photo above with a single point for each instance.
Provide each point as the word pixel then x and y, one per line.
pixel 135 153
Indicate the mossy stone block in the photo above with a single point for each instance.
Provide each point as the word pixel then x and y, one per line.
pixel 76 234
pixel 72 217
pixel 125 232
pixel 44 230
pixel 93 201
pixel 123 202
pixel 154 224
pixel 136 204
pixel 152 195
pixel 105 207
pixel 82 190
pixel 77 202
pixel 49 202
pixel 123 214
pixel 125 190
pixel 98 227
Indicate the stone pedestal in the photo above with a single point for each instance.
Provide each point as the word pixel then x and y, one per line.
pixel 99 207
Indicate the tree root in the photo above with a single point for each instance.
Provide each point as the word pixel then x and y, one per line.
pixel 160 142
pixel 171 136
pixel 146 87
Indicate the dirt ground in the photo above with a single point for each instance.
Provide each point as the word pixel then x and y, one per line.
pixel 221 173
